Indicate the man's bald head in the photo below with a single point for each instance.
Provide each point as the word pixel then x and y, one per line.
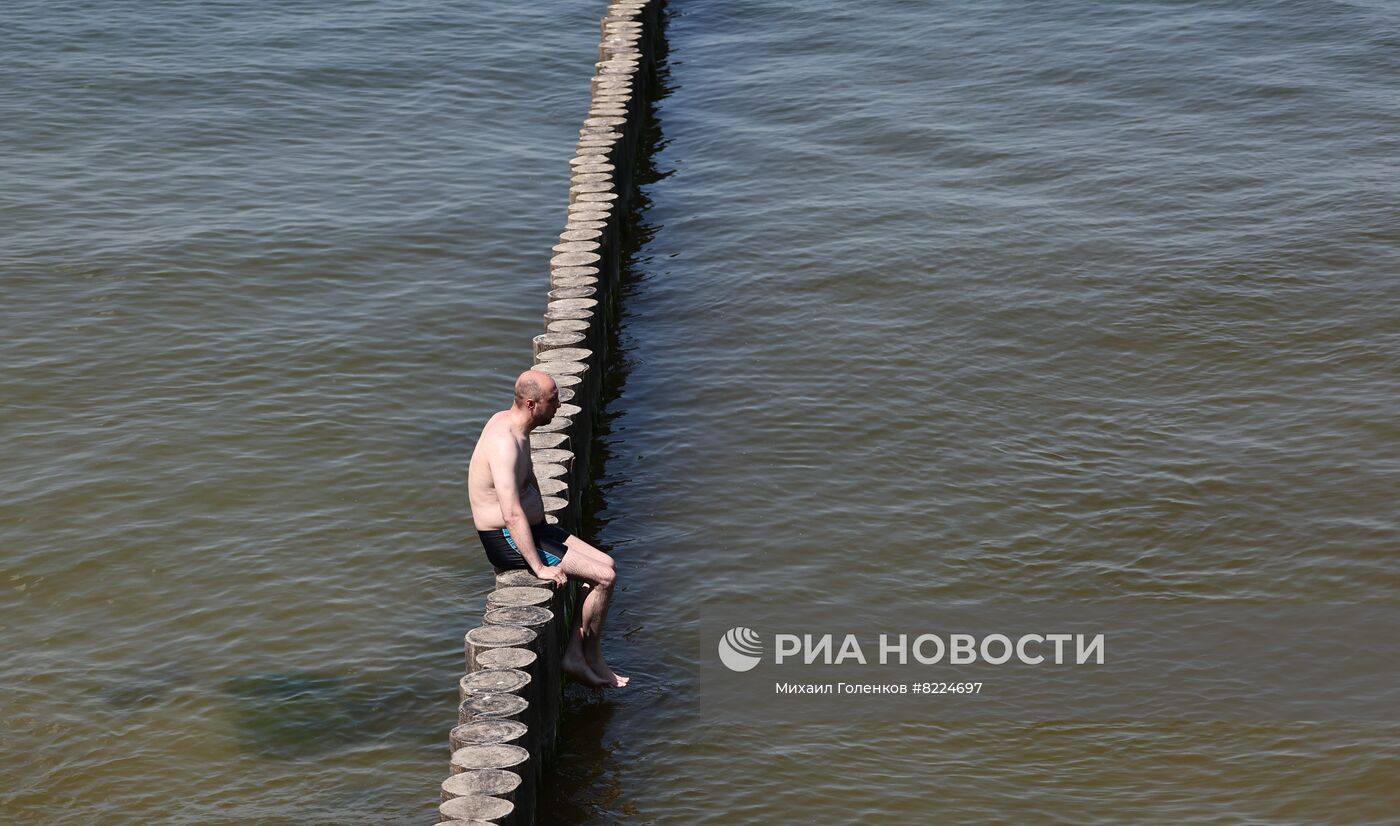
pixel 533 386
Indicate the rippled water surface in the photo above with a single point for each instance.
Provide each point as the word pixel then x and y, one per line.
pixel 989 301
pixel 267 267
pixel 1005 302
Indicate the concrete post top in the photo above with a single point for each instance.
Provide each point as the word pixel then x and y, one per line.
pixel 575 259
pixel 566 282
pixel 508 659
pixel 590 208
pixel 564 247
pixel 574 291
pixel 481 781
pixel 551 456
pixel 553 487
pixel 488 732
pixel 487 706
pixel 497 636
pixel 574 272
pixel 516 595
pixel 544 441
pixel 563 368
pixel 495 680
pixel 574 303
pixel 568 324
pixel 525 616
pixel 588 216
pixel 489 756
pixel 459 822
pixel 548 470
pixel 566 353
pixel 523 577
pixel 558 423
pixel 476 806
pixel 548 341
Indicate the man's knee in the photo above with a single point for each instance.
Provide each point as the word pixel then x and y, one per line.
pixel 607 577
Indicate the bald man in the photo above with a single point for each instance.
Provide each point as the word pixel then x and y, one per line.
pixel 509 516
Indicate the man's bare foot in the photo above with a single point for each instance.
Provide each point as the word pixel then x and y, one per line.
pixel 577 667
pixel 610 678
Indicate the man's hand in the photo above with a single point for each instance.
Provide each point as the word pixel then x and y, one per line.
pixel 553 573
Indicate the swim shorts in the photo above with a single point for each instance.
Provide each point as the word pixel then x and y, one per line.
pixel 501 550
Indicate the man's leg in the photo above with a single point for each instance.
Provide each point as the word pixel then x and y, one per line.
pixel 585 562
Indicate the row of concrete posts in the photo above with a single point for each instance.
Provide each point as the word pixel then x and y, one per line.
pixel 510 697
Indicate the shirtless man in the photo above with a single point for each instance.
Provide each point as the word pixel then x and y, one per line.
pixel 509 517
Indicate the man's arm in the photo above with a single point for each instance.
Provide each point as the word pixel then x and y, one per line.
pixel 502 461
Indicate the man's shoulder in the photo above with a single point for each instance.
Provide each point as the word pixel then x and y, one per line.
pixel 490 432
pixel 496 425
pixel 496 435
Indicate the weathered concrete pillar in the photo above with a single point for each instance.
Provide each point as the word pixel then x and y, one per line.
pixel 515 596
pixel 475 809
pixel 553 456
pixel 497 636
pixel 592 207
pixel 549 341
pixel 489 782
pixel 499 757
pixel 493 756
pixel 561 606
pixel 486 732
pixel 548 623
pixel 567 353
pixel 494 681
pixel 564 276
pixel 516 659
pixel 493 707
pixel 521 577
pixel 508 681
pixel 578 290
pixel 552 631
pixel 478 808
pixel 584 234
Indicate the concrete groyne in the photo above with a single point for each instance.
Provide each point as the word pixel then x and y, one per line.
pixel 510 694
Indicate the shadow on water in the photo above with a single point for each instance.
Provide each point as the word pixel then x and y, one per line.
pixel 585 773
pixel 283 715
pixel 154 686
pixel 302 713
pixel 296 714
